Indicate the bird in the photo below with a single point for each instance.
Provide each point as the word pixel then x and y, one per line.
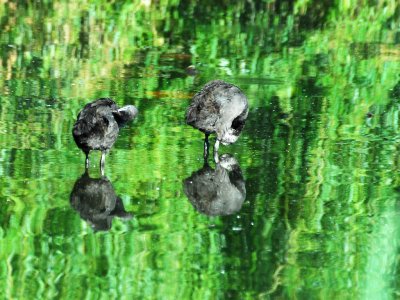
pixel 220 108
pixel 98 124
pixel 218 192
pixel 96 202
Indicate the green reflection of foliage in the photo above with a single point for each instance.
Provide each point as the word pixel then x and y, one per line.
pixel 321 215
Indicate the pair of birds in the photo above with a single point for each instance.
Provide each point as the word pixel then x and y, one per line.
pixel 219 108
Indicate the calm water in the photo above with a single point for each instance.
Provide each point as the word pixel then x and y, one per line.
pixel 317 211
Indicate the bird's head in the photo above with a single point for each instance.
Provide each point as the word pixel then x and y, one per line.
pixel 229 136
pixel 125 114
pixel 231 126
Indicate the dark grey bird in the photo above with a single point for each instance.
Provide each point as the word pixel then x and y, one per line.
pixel 97 202
pixel 98 125
pixel 219 108
pixel 217 192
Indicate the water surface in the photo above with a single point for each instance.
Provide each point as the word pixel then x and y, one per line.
pixel 318 157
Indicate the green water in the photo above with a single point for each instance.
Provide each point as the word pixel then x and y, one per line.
pixel 319 154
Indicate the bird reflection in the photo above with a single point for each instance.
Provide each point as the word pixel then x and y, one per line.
pixel 96 202
pixel 217 192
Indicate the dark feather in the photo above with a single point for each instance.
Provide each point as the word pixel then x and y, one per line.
pixel 218 107
pixel 96 127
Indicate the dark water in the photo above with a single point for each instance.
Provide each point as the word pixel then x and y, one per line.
pixel 315 209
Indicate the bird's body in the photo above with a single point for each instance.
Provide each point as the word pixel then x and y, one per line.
pixel 219 108
pixel 98 125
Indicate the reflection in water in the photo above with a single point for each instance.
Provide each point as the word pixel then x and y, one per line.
pixel 217 192
pixel 96 202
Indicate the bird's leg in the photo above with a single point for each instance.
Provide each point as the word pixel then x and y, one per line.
pixel 87 163
pixel 206 147
pixel 102 162
pixel 216 147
